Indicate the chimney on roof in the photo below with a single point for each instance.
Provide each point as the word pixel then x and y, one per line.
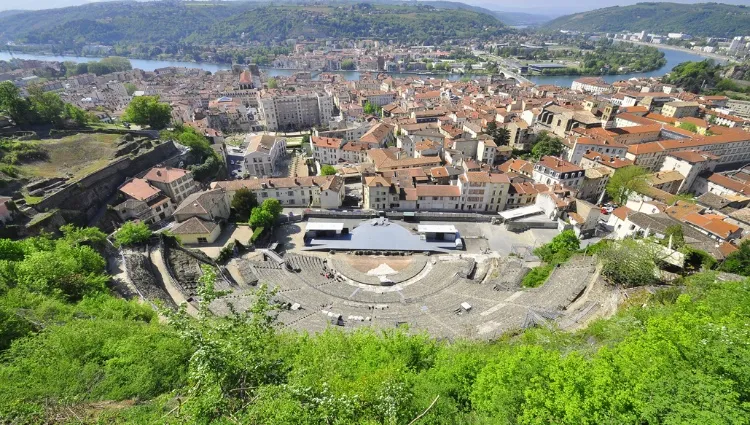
pixel 158 173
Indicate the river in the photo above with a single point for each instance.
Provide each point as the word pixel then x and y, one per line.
pixel 673 58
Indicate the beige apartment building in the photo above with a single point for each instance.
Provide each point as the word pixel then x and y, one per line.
pixel 287 111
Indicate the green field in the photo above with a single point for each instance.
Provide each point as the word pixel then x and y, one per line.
pixel 74 156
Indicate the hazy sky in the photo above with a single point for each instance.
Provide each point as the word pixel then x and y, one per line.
pixel 531 6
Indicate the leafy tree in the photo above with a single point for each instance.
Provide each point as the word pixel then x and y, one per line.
pixel 79 235
pixel 147 110
pixel 261 217
pixel 266 214
pixel 206 163
pixel 502 137
pixel 234 356
pixel 105 66
pixel 48 106
pixel 694 76
pixel 697 259
pixel 689 127
pixel 188 136
pixel 243 202
pixel 132 233
pixel 630 262
pixel 75 114
pixel 272 83
pixel 676 235
pixel 103 348
pixel 371 109
pixel 273 206
pixel 626 181
pixel 327 170
pixel 560 248
pixel 347 65
pixel 130 88
pixel 11 102
pixel 501 386
pixel 738 262
pixel 546 145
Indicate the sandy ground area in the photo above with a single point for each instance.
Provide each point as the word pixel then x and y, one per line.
pixel 365 264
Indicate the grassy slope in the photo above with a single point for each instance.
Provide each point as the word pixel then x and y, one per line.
pixel 77 155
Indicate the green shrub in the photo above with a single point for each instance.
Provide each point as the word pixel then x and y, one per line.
pixel 226 253
pixel 696 259
pixel 256 234
pixel 537 276
pixel 132 233
pixel 559 249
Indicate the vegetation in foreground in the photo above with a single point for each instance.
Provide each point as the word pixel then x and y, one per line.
pixel 71 352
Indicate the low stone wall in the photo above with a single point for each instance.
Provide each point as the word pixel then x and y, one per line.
pixel 153 134
pixel 521 226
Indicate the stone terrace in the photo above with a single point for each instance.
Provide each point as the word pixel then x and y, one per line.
pixel 428 300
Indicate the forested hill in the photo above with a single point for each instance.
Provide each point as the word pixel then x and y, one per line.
pixel 205 22
pixel 702 19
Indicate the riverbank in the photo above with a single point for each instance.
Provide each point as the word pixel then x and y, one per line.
pixel 714 56
pixel 673 57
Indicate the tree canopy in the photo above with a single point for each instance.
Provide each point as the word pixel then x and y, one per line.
pixel 105 66
pixel 626 181
pixel 266 214
pixel 243 202
pixel 39 107
pixel 546 145
pixel 132 233
pixel 348 64
pixel 147 110
pixel 327 170
pixel 630 262
pixel 689 127
pixel 738 261
pixel 372 109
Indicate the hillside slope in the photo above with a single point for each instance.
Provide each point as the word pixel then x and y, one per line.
pixel 221 22
pixel 702 19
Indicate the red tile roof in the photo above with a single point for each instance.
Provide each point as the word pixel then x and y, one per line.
pixel 438 190
pixel 165 174
pixel 139 189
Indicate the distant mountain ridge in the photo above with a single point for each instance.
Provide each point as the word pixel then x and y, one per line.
pixel 171 22
pixel 519 18
pixel 702 19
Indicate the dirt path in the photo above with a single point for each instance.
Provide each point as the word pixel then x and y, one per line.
pixel 173 291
